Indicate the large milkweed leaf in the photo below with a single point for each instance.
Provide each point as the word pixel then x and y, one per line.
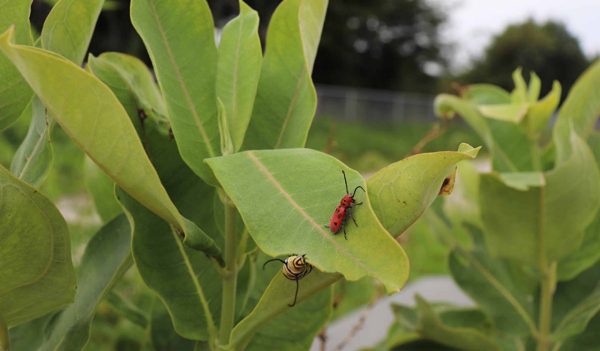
pixel 37 274
pixel 185 279
pixel 15 94
pixel 179 37
pixel 121 156
pixel 402 191
pixel 547 219
pixel 579 112
pixel 299 190
pixel 238 70
pixel 106 258
pixel 286 99
pixel 67 31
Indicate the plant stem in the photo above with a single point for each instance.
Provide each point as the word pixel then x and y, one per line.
pixel 230 276
pixel 4 345
pixel 547 292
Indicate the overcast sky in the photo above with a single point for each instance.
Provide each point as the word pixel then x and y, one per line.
pixel 473 22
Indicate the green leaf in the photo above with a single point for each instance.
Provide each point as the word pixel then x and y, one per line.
pixel 34 156
pixel 349 296
pixel 106 258
pixel 122 157
pixel 402 191
pixel 544 220
pixel 102 189
pixel 180 40
pixel 275 302
pixel 586 341
pixel 164 337
pixel 575 302
pixel 299 190
pixel 579 316
pixel 37 274
pixel 463 205
pixel 133 84
pixel 296 327
pixel 486 94
pixel 238 71
pixel 286 99
pixel 184 279
pixel 584 257
pixel 579 112
pixel 15 94
pixel 494 285
pixel 463 336
pixel 69 27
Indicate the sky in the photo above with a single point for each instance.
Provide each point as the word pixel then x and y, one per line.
pixel 472 23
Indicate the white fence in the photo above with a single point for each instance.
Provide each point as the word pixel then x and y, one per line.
pixel 369 105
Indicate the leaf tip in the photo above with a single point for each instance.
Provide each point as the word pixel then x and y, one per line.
pixel 6 38
pixel 469 150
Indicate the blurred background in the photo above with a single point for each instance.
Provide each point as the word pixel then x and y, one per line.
pixel 378 69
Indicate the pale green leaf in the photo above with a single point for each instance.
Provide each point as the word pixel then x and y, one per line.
pixel 37 274
pixel 523 180
pixel 506 148
pixel 286 99
pixel 238 71
pixel 544 220
pixel 463 205
pixel 586 341
pixel 512 113
pixel 179 37
pixel 34 156
pixel 120 155
pixel 67 31
pixel 15 94
pixel 402 191
pixel 299 190
pixel 541 111
pixel 106 258
pixel 579 112
pixel 535 86
pixel 519 93
pixel 485 94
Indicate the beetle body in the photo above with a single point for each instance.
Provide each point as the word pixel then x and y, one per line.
pixel 343 211
pixel 294 268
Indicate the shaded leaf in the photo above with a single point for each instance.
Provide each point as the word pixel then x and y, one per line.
pixel 37 274
pixel 286 99
pixel 402 191
pixel 458 330
pixel 164 337
pixel 299 190
pixel 275 302
pixel 179 37
pixel 586 341
pixel 102 189
pixel 106 258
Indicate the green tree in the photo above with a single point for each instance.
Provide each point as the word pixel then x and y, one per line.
pixel 547 48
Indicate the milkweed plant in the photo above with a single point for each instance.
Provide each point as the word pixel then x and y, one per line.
pixel 198 171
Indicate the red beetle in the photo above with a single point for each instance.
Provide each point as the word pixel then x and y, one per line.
pixel 344 210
